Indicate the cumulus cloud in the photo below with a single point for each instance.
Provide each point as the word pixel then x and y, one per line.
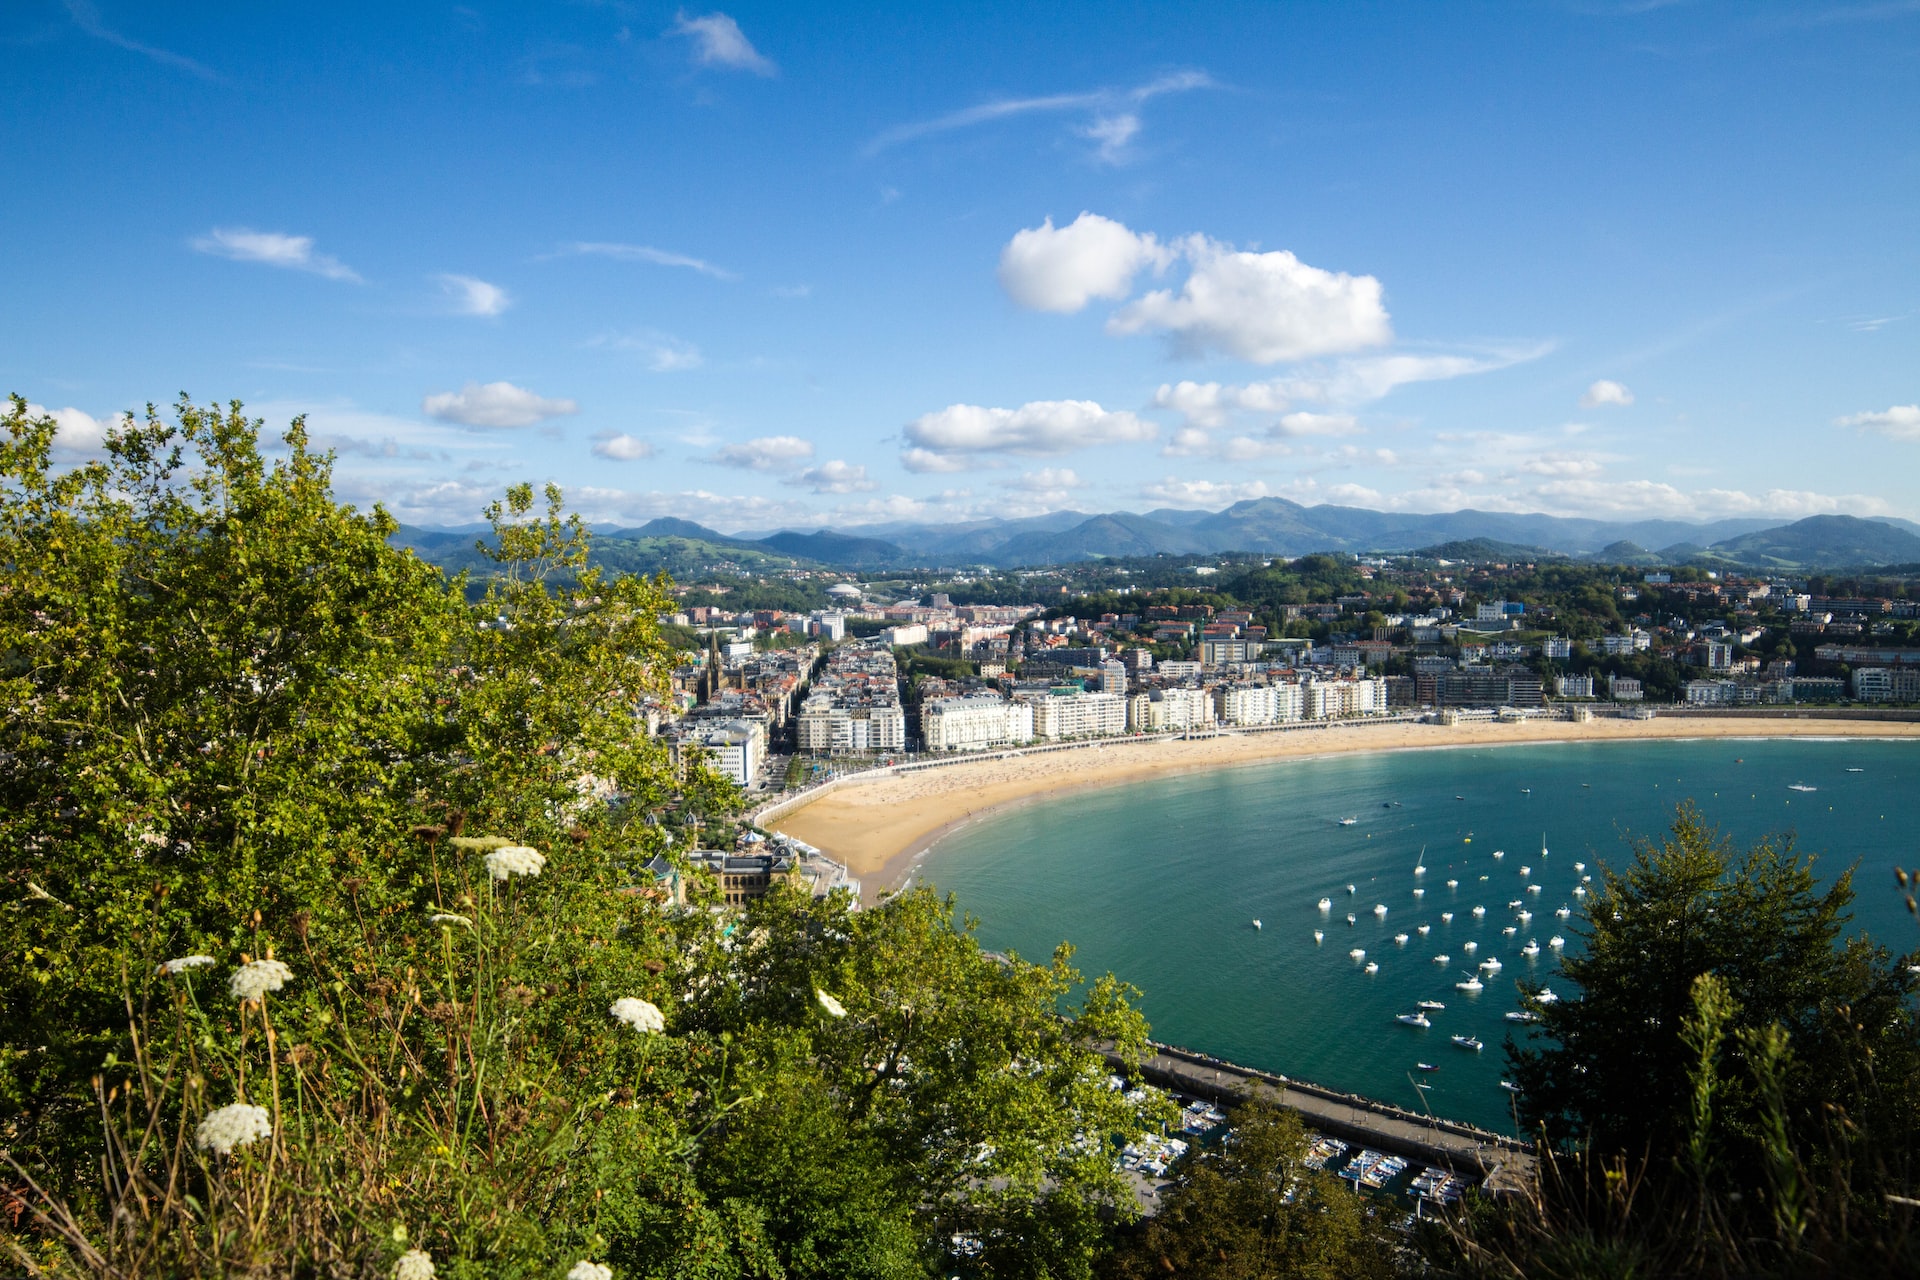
pixel 618 446
pixel 766 453
pixel 1172 492
pixel 1561 465
pixel 1262 307
pixel 927 462
pixel 273 249
pixel 1317 424
pixel 724 511
pixel 718 41
pixel 1038 429
pixel 1604 392
pixel 494 404
pixel 473 297
pixel 1899 422
pixel 1048 268
pixel 646 253
pixel 77 433
pixel 1046 480
pixel 835 477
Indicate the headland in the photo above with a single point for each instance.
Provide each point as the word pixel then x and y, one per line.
pixel 880 827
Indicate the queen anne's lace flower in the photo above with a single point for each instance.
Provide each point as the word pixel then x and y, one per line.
pixel 233 1126
pixel 184 963
pixel 448 918
pixel 414 1264
pixel 641 1015
pixel 257 977
pixel 584 1270
pixel 828 1003
pixel 515 860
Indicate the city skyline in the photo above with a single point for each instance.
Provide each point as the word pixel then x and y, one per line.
pixel 784 266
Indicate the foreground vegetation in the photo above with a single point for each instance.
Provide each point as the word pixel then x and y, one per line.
pixel 335 946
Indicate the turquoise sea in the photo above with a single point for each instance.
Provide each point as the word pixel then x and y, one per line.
pixel 1160 882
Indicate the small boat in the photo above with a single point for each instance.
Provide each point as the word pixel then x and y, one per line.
pixel 1510 1086
pixel 1531 950
pixel 1579 866
pixel 1522 1015
pixel 1256 924
pixel 1469 947
pixel 1453 884
pixel 1446 917
pixel 1499 853
pixel 1400 939
pixel 1800 786
pixel 1459 797
pixel 1325 904
pixel 1430 1004
pixel 1524 917
pixel 1443 959
pixel 1419 893
pixel 1509 931
pixel 1479 912
pixel 1352 918
pixel 1564 912
pixel 1586 879
pixel 1317 936
pixel 1546 996
pixel 1347 822
pixel 1469 1042
pixel 1556 942
pixel 1526 871
pixel 1422 1085
pixel 1372 967
pixel 1852 769
pixel 1349 888
pixel 1589 784
pixel 1420 863
pixel 1380 909
pixel 1526 791
pixel 1516 904
pixel 1579 891
pixel 1492 964
pixel 1533 888
pixel 1358 953
pixel 1471 984
pixel 1424 1066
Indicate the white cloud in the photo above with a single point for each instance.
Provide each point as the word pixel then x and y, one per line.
pixel 273 249
pixel 1316 424
pixel 618 446
pixel 835 477
pixel 1899 422
pixel 1611 497
pixel 1605 391
pixel 1202 493
pixel 718 41
pixel 646 253
pixel 1045 268
pixel 474 297
pixel 927 462
pixel 1263 307
pixel 494 404
pixel 724 511
pixel 659 352
pixel 1115 117
pixel 1037 429
pixel 77 433
pixel 1561 465
pixel 766 453
pixel 1046 480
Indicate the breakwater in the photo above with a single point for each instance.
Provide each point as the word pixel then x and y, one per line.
pixel 1505 1164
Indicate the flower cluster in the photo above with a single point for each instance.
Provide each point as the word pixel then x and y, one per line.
pixel 448 918
pixel 184 963
pixel 515 860
pixel 232 1126
pixel 641 1015
pixel 257 977
pixel 414 1264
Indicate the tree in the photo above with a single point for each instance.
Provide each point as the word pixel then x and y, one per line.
pixel 1249 1208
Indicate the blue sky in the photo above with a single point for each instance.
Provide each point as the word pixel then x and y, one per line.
pixel 794 265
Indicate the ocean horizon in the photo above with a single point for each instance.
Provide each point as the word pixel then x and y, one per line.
pixel 1160 882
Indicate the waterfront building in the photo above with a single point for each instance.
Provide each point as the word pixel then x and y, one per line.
pixel 1887 684
pixel 1625 689
pixel 1072 712
pixel 974 722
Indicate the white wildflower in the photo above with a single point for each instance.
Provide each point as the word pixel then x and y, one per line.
pixel 828 1003
pixel 257 977
pixel 641 1015
pixel 448 918
pixel 151 838
pixel 414 1264
pixel 233 1126
pixel 584 1270
pixel 515 860
pixel 184 963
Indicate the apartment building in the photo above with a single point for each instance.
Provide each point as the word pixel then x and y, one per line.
pixel 975 721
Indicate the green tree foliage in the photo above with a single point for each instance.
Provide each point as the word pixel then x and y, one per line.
pixel 1250 1209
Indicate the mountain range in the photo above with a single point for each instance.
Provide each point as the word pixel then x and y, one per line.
pixel 1268 526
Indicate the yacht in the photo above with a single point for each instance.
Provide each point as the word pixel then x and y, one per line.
pixel 1546 996
pixel 1531 950
pixel 1579 866
pixel 1380 909
pixel 1400 939
pixel 1424 1066
pixel 1453 884
pixel 1801 786
pixel 1443 959
pixel 1347 822
pixel 1325 904
pixel 1522 1015
pixel 1372 967
pixel 1414 1019
pixel 1358 953
pixel 1424 930
pixel 1516 904
pixel 1533 888
pixel 1509 931
pixel 1492 964
pixel 1349 889
pixel 1499 853
pixel 1446 917
pixel 1469 947
pixel 1419 893
pixel 1587 879
pixel 1556 942
pixel 1317 936
pixel 1469 1042
pixel 1430 1004
pixel 1579 891
pixel 1524 917
pixel 1471 984
pixel 1256 924
pixel 1526 871
pixel 1478 912
pixel 1564 912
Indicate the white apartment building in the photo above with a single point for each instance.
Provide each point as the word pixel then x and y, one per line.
pixel 1887 684
pixel 1573 686
pixel 1557 647
pixel 734 748
pixel 975 721
pixel 1625 689
pixel 838 729
pixel 1628 644
pixel 1078 715
pixel 1337 699
pixel 1156 710
pixel 1258 704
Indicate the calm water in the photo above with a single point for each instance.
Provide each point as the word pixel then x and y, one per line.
pixel 1160 882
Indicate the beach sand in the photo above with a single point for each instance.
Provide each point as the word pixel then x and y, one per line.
pixel 879 829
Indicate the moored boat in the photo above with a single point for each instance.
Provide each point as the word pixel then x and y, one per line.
pixel 1469 1042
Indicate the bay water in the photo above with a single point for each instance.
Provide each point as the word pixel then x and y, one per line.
pixel 1160 882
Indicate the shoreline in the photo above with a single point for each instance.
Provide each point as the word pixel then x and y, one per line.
pixel 883 830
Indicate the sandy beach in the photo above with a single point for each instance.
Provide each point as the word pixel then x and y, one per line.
pixel 880 828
